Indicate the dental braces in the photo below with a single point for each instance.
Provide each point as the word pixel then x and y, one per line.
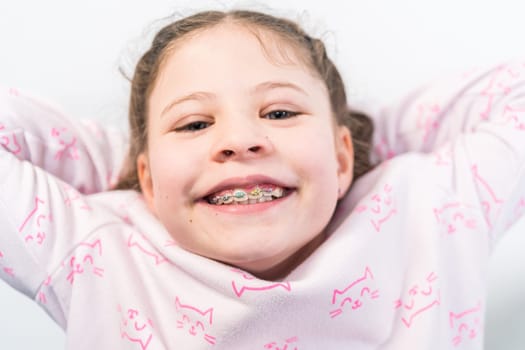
pixel 257 195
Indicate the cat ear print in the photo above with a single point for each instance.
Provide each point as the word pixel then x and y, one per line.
pixel 210 318
pixel 180 306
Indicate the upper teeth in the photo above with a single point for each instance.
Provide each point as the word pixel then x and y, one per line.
pixel 240 196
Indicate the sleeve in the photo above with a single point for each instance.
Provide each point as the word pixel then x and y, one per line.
pixel 422 122
pixel 35 131
pixel 41 219
pixel 473 126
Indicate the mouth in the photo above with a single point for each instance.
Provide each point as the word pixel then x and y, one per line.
pixel 251 194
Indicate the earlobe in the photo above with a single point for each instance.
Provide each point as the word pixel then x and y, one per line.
pixel 146 183
pixel 345 159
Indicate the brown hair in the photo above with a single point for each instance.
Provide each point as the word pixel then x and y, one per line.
pixel 147 70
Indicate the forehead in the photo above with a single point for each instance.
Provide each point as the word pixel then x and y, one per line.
pixel 234 54
pixel 278 48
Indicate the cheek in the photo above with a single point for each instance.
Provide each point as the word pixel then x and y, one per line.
pixel 165 166
pixel 314 160
pixel 316 153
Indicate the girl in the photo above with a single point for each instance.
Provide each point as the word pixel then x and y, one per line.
pixel 234 226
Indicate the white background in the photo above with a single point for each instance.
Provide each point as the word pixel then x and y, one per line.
pixel 70 52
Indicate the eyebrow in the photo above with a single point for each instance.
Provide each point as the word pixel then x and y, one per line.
pixel 195 96
pixel 259 88
pixel 269 85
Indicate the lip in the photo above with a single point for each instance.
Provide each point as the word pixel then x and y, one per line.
pixel 245 181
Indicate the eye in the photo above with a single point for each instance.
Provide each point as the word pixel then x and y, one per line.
pixel 280 114
pixel 199 324
pixel 193 126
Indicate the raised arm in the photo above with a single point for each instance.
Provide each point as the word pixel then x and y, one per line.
pixel 43 156
pixel 83 154
pixel 472 128
pixel 421 122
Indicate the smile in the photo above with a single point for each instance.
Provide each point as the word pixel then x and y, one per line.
pixel 257 194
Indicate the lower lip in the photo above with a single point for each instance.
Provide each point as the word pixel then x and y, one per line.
pixel 241 209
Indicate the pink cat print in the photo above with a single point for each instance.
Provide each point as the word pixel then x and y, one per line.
pixel 36 223
pixel 355 295
pixel 490 201
pixel 85 261
pixel 139 243
pixel 500 83
pixel 453 217
pixel 194 321
pixel 135 327
pixel 288 344
pixel 74 198
pixel 418 300
pixel 466 325
pixel 9 141
pixel 515 116
pixel 380 207
pixel 66 142
pixel 244 282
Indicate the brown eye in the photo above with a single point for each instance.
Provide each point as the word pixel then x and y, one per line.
pixel 193 126
pixel 280 114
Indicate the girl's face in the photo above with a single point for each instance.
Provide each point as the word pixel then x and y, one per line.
pixel 244 162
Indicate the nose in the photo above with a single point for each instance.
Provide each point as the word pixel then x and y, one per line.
pixel 243 141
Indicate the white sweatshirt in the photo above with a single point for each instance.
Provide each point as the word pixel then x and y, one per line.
pixel 404 266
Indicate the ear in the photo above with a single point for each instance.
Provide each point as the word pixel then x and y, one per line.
pixel 345 159
pixel 145 180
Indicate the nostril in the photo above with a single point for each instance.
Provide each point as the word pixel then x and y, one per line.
pixel 227 152
pixel 254 149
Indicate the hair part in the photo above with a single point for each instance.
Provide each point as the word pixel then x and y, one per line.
pixel 311 52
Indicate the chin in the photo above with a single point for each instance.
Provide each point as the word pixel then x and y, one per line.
pixel 252 259
pixel 257 261
pixel 246 256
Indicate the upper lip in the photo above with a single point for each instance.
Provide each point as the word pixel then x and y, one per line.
pixel 238 182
